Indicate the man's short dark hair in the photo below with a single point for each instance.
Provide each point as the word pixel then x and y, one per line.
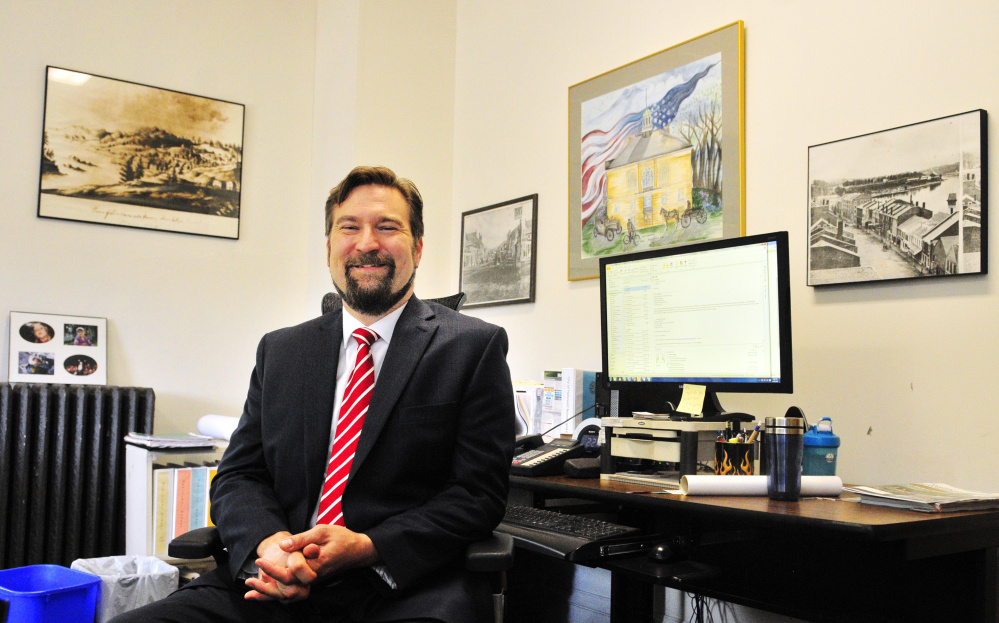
pixel 378 176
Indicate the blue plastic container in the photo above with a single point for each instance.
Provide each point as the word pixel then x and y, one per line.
pixel 49 593
pixel 821 449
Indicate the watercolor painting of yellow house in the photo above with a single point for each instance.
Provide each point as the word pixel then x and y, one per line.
pixel 651 181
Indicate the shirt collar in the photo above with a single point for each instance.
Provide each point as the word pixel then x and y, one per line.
pixel 384 326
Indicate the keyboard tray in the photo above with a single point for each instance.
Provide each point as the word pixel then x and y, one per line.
pixel 544 534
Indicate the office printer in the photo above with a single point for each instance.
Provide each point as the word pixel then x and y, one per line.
pixel 685 443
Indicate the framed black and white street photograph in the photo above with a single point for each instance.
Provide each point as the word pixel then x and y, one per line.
pixel 903 203
pixel 498 253
pixel 50 348
pixel 121 153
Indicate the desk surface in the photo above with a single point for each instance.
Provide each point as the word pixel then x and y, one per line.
pixel 917 566
pixel 844 516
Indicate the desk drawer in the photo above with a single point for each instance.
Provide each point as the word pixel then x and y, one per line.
pixel 660 449
pixel 652 449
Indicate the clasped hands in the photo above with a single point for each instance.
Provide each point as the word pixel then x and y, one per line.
pixel 288 563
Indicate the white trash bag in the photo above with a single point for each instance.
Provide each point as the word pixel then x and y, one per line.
pixel 128 582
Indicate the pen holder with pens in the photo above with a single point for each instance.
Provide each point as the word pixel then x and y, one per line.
pixel 733 458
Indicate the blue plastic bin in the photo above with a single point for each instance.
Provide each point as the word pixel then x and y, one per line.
pixel 49 593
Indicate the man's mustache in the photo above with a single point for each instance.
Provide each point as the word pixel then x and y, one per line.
pixel 370 259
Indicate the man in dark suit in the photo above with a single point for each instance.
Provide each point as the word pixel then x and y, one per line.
pixel 429 469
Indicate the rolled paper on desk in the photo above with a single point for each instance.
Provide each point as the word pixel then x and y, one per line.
pixel 217 426
pixel 756 485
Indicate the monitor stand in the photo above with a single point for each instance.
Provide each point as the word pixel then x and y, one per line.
pixel 665 401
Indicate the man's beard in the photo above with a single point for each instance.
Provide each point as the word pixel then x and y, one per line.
pixel 377 300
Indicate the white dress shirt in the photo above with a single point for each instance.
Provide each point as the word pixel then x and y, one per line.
pixel 384 327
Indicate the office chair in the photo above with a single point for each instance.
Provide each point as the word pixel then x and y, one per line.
pixel 493 555
pixel 332 302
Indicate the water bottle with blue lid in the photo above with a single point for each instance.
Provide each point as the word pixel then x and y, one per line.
pixel 821 448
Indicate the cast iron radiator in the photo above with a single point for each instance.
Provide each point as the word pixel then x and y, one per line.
pixel 62 470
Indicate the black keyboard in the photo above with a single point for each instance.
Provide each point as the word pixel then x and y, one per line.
pixel 569 525
pixel 572 537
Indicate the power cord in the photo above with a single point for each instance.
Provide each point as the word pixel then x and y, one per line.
pixel 699 608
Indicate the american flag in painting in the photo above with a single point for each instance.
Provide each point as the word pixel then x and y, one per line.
pixel 599 146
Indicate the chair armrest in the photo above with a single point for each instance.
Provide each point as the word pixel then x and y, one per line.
pixel 198 543
pixel 493 554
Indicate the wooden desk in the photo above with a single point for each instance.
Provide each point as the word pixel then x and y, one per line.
pixel 820 559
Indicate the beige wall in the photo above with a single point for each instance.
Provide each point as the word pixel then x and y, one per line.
pixel 385 95
pixel 470 99
pixel 184 312
pixel 906 370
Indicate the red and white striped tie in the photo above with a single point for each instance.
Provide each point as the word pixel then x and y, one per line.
pixel 353 407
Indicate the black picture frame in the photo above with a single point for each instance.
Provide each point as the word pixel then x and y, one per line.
pixel 498 255
pixel 904 203
pixel 121 153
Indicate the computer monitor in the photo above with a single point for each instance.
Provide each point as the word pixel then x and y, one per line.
pixel 714 313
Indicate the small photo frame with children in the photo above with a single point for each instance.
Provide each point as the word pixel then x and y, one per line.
pixel 47 348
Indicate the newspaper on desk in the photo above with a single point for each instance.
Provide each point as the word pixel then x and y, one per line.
pixel 927 497
pixel 189 440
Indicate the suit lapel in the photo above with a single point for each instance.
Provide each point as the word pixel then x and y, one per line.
pixel 319 383
pixel 410 340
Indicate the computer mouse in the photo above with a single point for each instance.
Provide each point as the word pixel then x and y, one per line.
pixel 661 552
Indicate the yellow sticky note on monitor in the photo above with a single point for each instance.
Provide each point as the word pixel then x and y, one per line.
pixel 692 401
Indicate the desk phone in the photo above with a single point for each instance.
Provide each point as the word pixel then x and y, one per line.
pixel 536 458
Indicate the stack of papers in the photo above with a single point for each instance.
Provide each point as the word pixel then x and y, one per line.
pixel 927 497
pixel 189 440
pixel 666 480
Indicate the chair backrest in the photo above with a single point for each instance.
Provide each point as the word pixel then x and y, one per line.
pixel 332 302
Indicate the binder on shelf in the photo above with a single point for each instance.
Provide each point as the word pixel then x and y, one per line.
pixel 569 398
pixel 162 508
pixel 527 398
pixel 182 501
pixel 579 397
pixel 155 507
pixel 199 482
pixel 551 404
pixel 212 470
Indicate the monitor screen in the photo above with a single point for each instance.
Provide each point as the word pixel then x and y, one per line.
pixel 715 313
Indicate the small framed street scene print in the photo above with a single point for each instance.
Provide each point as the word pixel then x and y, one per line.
pixel 120 153
pixel 903 203
pixel 498 253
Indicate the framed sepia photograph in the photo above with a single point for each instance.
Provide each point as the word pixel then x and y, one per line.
pixel 499 253
pixel 903 203
pixel 121 153
pixel 656 152
pixel 49 348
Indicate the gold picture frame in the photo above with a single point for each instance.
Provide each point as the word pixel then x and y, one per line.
pixel 649 165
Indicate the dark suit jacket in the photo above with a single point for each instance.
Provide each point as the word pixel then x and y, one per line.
pixel 430 473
